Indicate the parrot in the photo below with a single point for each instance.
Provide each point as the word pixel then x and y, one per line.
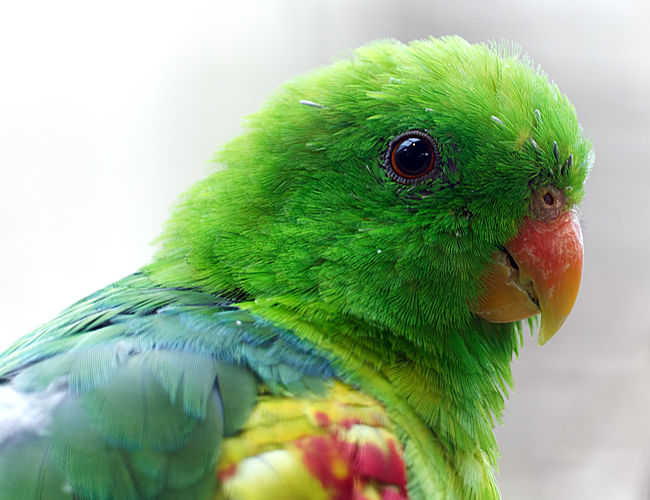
pixel 332 312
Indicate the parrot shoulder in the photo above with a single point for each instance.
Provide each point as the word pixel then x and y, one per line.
pixel 130 393
pixel 335 445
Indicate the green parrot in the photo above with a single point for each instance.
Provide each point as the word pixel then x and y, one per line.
pixel 332 313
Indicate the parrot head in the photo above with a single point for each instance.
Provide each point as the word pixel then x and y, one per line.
pixel 428 187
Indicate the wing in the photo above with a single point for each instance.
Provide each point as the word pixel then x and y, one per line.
pixel 130 393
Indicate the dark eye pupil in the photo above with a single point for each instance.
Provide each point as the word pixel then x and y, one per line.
pixel 412 157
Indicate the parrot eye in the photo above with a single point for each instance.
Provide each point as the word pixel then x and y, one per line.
pixel 411 157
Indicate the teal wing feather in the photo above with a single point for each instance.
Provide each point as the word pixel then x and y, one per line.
pixel 128 393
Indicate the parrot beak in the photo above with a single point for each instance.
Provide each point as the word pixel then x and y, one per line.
pixel 540 271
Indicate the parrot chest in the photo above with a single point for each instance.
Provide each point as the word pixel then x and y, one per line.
pixel 336 446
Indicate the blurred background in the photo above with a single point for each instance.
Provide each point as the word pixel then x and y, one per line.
pixel 109 110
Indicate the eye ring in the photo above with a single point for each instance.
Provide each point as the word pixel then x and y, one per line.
pixel 412 157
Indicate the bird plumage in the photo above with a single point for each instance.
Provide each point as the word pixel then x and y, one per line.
pixel 305 306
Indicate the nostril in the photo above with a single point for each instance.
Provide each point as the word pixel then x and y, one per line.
pixel 548 198
pixel 547 203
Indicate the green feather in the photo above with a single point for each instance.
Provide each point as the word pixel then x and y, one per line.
pixel 152 378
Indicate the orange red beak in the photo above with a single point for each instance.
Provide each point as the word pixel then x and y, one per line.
pixel 539 272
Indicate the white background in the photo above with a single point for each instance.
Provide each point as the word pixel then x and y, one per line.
pixel 109 110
